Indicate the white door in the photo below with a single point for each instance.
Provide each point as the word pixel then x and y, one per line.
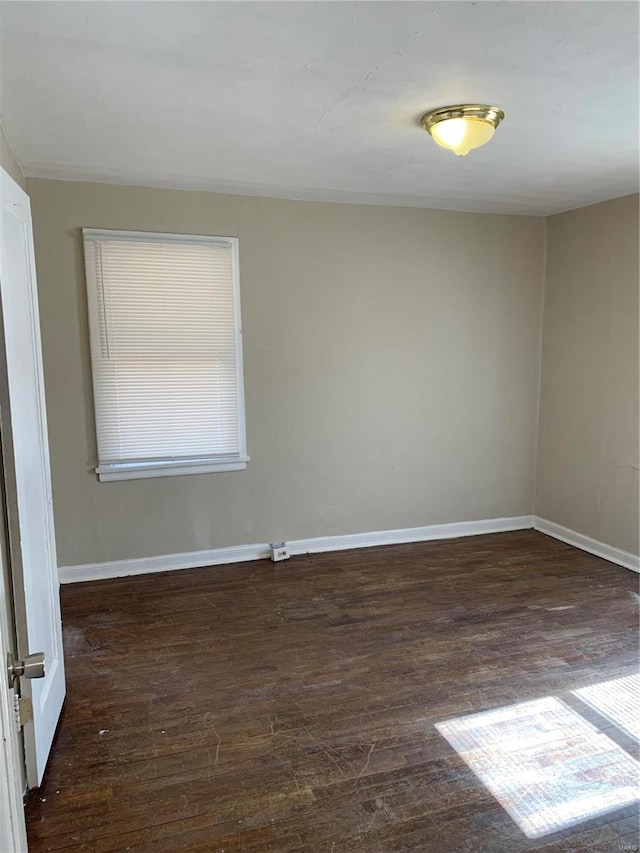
pixel 28 479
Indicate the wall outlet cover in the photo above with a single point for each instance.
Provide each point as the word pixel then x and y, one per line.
pixel 279 551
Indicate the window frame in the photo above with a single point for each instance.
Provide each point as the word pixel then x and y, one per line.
pixel 134 469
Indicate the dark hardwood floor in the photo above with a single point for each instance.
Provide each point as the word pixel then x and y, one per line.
pixel 291 707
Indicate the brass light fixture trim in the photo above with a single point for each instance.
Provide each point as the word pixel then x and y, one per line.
pixel 462 120
pixel 478 111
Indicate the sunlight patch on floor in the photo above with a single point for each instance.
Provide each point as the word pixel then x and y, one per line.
pixel 617 700
pixel 546 765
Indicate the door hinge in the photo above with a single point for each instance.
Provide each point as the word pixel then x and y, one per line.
pixel 22 709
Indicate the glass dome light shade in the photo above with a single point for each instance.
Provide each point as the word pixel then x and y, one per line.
pixel 462 127
pixel 461 135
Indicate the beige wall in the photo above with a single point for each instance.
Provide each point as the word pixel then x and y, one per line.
pixel 391 371
pixel 8 161
pixel 587 476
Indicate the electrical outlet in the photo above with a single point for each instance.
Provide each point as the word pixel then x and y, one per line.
pixel 279 551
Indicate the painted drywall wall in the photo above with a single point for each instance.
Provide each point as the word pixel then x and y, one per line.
pixel 8 162
pixel 391 361
pixel 587 473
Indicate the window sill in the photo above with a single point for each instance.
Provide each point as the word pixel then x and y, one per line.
pixel 146 470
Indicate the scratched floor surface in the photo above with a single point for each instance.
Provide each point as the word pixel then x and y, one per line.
pixel 292 707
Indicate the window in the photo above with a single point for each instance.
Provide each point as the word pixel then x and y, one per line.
pixel 166 354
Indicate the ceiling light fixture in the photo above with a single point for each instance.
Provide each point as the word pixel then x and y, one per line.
pixel 463 127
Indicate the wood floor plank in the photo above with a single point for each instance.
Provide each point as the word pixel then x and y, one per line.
pixel 292 707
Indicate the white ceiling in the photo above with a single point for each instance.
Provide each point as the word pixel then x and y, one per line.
pixel 322 100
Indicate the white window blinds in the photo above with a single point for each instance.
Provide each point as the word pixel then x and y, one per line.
pixel 166 353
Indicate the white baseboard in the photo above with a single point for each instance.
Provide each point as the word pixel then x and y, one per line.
pixel 410 534
pixel 241 553
pixel 585 543
pixel 162 563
